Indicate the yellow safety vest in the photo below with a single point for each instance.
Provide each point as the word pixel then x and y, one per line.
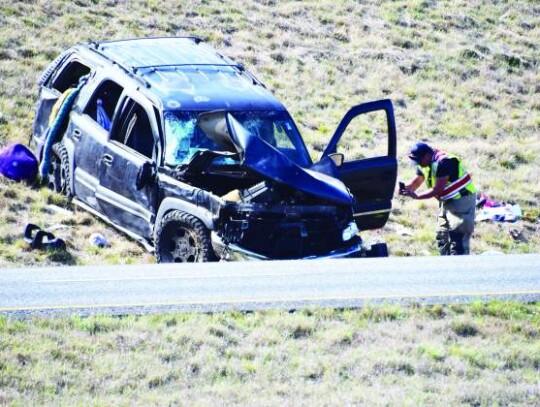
pixel 452 188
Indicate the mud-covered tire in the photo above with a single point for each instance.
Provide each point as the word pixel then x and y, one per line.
pixel 182 238
pixel 59 176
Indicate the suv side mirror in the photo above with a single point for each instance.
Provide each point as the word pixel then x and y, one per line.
pixel 145 175
pixel 337 158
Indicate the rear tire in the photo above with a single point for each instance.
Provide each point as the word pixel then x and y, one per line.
pixel 183 238
pixel 59 176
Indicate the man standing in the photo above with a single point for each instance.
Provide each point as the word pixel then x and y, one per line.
pixel 449 182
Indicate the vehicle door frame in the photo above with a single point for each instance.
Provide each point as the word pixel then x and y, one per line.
pixel 86 138
pixel 141 206
pixel 371 180
pixel 50 95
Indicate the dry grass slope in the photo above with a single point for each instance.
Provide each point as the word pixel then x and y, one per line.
pixel 464 75
pixel 482 355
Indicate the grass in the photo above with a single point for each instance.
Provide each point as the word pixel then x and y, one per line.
pixel 462 75
pixel 479 354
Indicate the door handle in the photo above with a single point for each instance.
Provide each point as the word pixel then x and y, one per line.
pixel 107 159
pixel 77 134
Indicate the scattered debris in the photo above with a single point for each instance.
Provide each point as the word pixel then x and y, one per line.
pixel 503 213
pixel 58 209
pixel 98 240
pixel 496 211
pixel 42 240
pixel 18 163
pixel 518 235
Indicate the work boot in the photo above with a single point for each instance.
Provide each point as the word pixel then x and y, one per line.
pixel 456 244
pixel 443 243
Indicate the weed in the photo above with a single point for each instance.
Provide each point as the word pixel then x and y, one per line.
pixel 465 328
pixel 384 313
pixel 95 325
pixel 436 311
pixel 434 353
pixel 105 359
pixel 461 77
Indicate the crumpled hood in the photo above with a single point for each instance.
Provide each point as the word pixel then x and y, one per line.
pixel 269 162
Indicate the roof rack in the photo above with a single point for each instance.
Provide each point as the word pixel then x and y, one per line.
pixel 240 67
pixel 130 70
pixel 136 68
pixel 133 71
pixel 196 40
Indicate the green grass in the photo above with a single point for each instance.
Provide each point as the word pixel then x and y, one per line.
pixel 463 76
pixel 482 354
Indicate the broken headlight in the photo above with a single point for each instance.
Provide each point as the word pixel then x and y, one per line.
pixel 350 231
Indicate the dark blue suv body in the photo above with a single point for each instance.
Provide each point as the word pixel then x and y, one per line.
pixel 186 151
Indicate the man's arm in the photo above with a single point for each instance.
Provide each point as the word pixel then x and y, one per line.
pixel 436 191
pixel 415 183
pixel 446 168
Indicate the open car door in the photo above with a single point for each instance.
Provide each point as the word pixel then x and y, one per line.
pixel 366 137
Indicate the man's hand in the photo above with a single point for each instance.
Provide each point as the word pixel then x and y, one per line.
pixel 407 192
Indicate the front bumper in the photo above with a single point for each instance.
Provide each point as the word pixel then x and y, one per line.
pixel 234 252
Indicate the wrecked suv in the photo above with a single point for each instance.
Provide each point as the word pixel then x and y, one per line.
pixel 187 152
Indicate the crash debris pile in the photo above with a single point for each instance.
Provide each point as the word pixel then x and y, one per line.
pixel 489 210
pixel 18 163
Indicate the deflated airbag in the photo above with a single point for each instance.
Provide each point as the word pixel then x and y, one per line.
pixel 269 162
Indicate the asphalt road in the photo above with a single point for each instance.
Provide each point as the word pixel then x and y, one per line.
pixel 272 284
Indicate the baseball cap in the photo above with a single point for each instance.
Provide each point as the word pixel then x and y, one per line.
pixel 419 150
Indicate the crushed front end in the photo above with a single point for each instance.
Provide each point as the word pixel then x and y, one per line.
pixel 266 223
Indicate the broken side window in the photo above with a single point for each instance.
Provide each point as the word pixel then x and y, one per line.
pixel 103 103
pixel 69 75
pixel 135 130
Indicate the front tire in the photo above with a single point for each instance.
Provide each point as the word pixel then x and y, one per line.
pixel 183 238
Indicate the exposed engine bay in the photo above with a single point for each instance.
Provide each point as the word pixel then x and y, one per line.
pixel 278 211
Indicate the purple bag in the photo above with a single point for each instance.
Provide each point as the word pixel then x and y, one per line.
pixel 18 163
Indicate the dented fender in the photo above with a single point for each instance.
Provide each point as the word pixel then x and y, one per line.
pixel 186 198
pixel 173 204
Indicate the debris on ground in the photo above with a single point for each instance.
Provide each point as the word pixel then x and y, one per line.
pixel 58 209
pixel 98 240
pixel 518 235
pixel 42 240
pixel 18 163
pixel 496 211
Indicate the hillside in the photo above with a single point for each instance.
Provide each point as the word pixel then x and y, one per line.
pixel 463 76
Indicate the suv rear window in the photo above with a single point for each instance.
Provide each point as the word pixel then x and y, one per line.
pixel 69 76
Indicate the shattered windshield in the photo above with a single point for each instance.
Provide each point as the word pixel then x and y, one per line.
pixel 183 137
